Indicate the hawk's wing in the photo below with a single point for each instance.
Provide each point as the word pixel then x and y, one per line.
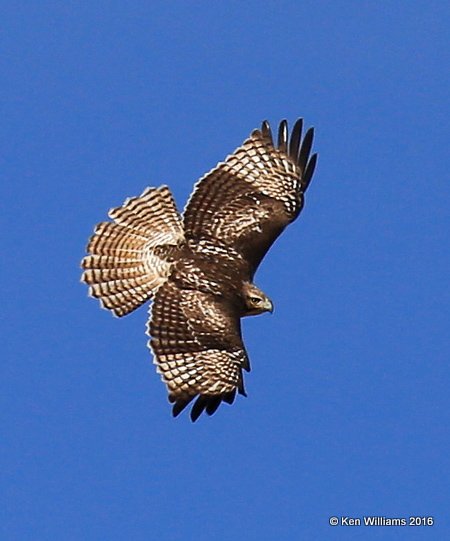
pixel 196 339
pixel 247 200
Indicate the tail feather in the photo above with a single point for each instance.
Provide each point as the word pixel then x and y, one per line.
pixel 97 275
pixel 131 257
pixel 112 261
pixel 109 236
pixel 148 214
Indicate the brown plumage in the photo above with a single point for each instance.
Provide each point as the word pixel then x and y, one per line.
pixel 198 269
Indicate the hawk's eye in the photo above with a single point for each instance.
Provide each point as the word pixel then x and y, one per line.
pixel 255 300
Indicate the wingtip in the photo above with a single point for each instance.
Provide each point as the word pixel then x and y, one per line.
pixel 283 136
pixel 229 397
pixel 296 137
pixel 204 403
pixel 309 171
pixel 198 408
pixel 179 405
pixel 305 149
pixel 212 405
pixel 310 130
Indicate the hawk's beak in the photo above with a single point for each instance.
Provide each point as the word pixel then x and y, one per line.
pixel 269 306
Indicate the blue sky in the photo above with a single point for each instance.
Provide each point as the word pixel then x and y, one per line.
pixel 348 406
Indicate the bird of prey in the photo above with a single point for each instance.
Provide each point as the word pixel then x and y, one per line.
pixel 198 267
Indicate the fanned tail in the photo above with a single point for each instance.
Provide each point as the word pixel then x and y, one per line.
pixel 131 257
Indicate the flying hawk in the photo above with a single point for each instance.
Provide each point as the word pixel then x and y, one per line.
pixel 198 267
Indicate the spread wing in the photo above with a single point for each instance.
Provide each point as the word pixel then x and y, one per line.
pixel 196 339
pixel 247 200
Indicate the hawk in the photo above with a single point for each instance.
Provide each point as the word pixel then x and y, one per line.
pixel 198 267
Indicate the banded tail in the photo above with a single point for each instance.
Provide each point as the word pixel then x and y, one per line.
pixel 131 257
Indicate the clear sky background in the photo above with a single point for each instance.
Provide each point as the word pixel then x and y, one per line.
pixel 348 406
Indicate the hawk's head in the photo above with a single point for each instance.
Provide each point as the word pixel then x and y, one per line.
pixel 256 302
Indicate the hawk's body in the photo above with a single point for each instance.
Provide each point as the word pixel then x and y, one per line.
pixel 199 268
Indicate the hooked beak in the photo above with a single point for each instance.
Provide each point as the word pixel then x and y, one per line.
pixel 269 306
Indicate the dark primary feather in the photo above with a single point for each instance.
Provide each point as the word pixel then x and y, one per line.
pixel 179 406
pixel 309 171
pixel 229 397
pixel 213 404
pixel 198 407
pixel 283 136
pixel 305 149
pixel 267 132
pixel 296 137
